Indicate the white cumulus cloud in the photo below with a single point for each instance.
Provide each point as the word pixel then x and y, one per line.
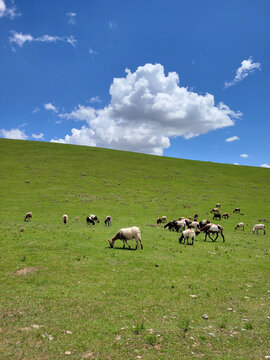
pixel 146 108
pixel 265 166
pixel 20 39
pixel 38 136
pixel 51 107
pixel 8 12
pixel 13 134
pixel 247 67
pixel 244 156
pixel 231 139
pixel 235 164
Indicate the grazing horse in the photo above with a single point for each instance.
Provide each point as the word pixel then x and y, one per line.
pixel 213 229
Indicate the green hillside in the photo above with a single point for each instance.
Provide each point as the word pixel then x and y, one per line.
pixel 121 304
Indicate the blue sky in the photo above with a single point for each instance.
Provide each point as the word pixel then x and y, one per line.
pixel 186 79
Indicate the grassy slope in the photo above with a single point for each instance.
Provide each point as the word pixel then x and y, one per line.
pixel 82 286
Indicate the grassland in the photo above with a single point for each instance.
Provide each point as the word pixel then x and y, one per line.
pixel 93 302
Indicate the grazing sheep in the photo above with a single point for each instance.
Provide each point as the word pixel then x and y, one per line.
pixel 217 216
pixel 65 218
pixel 204 222
pixel 213 229
pixel 161 219
pixel 187 234
pixel 218 205
pixel 186 220
pixel 94 217
pixel 172 225
pixel 236 210
pixel 225 216
pixel 195 217
pixel 108 220
pixel 194 224
pixel 240 225
pixel 257 227
pixel 89 221
pixel 125 234
pixel 28 216
pixel 181 224
pixel 214 210
pixel 176 225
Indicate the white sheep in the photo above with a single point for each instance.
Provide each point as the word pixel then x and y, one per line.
pixel 28 216
pixel 194 224
pixel 187 234
pixel 257 227
pixel 125 234
pixel 240 225
pixel 181 224
pixel 65 218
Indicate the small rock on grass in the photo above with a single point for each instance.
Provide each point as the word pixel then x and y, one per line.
pixel 67 352
pixel 230 309
pixel 205 317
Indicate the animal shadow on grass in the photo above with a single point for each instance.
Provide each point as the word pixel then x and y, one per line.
pixel 120 248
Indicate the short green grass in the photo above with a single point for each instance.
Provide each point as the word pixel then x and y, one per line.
pixel 93 302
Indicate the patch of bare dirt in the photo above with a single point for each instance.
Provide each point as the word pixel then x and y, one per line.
pixel 26 270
